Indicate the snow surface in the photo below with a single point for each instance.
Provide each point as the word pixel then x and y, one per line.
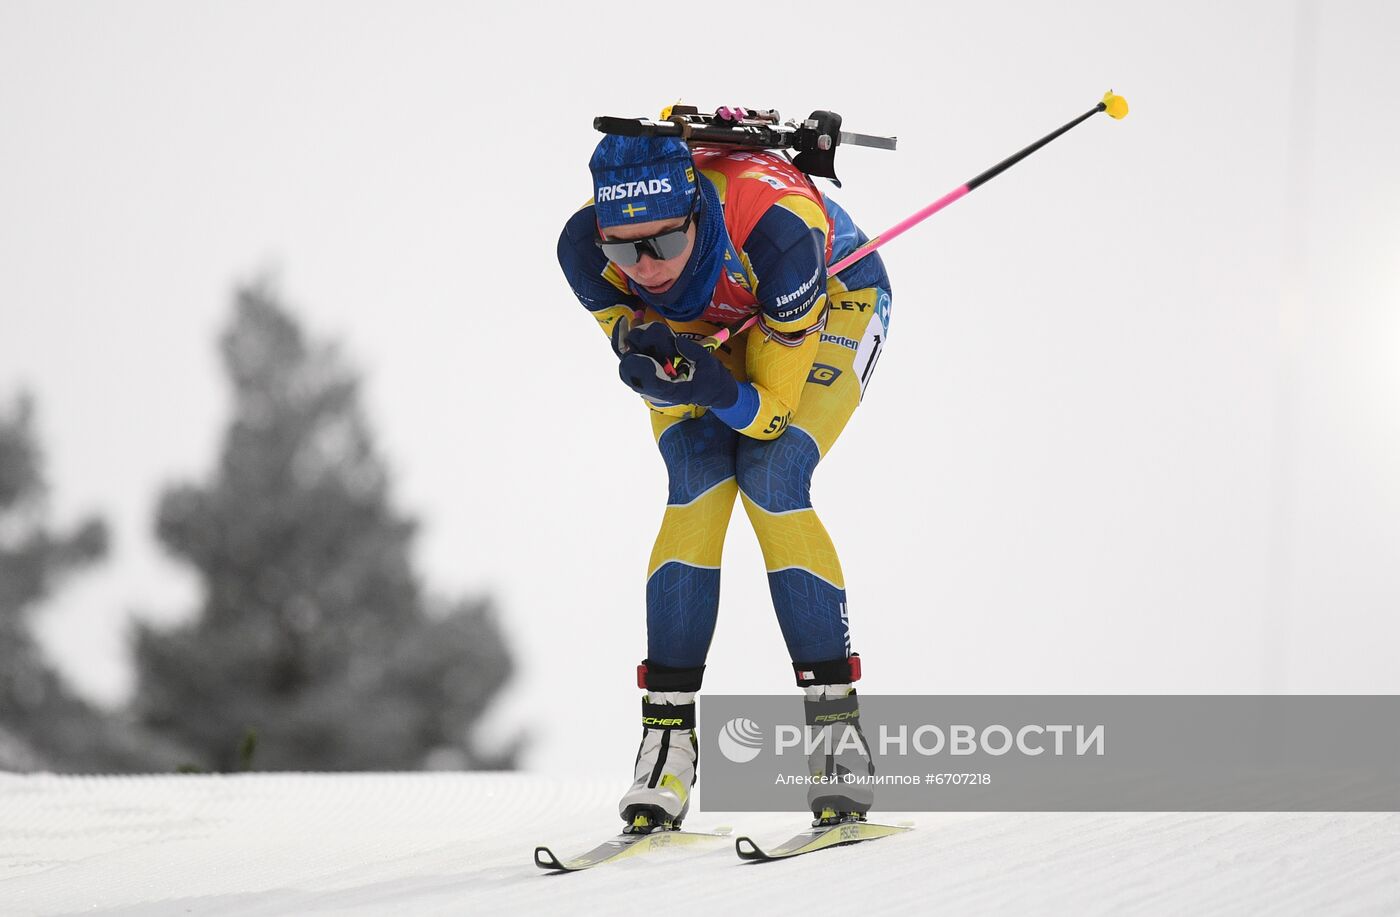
pixel 462 844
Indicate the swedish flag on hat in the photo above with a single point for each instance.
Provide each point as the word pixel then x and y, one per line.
pixel 640 179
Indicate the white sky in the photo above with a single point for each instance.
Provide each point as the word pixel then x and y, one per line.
pixel 1138 428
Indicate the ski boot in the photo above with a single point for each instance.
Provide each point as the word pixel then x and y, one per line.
pixel 839 751
pixel 667 759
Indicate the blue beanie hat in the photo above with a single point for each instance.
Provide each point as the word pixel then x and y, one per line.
pixel 640 179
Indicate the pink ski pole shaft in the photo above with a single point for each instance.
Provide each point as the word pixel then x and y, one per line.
pixel 1116 107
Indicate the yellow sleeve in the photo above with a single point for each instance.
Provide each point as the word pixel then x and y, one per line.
pixel 778 363
pixel 608 317
pixel 781 348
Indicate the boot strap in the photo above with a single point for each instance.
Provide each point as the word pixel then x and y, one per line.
pixel 668 716
pixel 832 710
pixel 828 672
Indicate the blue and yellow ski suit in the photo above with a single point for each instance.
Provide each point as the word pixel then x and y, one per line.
pixel 803 370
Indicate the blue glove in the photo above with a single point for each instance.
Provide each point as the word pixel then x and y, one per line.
pixel 700 377
pixel 654 339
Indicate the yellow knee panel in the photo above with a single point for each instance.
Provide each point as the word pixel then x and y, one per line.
pixel 694 533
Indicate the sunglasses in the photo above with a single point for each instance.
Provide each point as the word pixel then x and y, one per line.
pixel 663 246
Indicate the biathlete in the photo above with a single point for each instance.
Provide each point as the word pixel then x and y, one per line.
pixel 673 246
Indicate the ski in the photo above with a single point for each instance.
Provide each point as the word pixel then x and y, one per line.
pixel 626 845
pixel 818 837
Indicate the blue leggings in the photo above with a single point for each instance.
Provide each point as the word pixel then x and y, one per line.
pixel 708 465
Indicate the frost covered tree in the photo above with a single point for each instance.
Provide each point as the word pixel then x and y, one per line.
pixel 315 635
pixel 43 724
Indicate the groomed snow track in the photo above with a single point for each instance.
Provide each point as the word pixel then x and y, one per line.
pixel 462 843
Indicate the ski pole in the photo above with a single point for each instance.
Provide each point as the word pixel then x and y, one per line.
pixel 1115 105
